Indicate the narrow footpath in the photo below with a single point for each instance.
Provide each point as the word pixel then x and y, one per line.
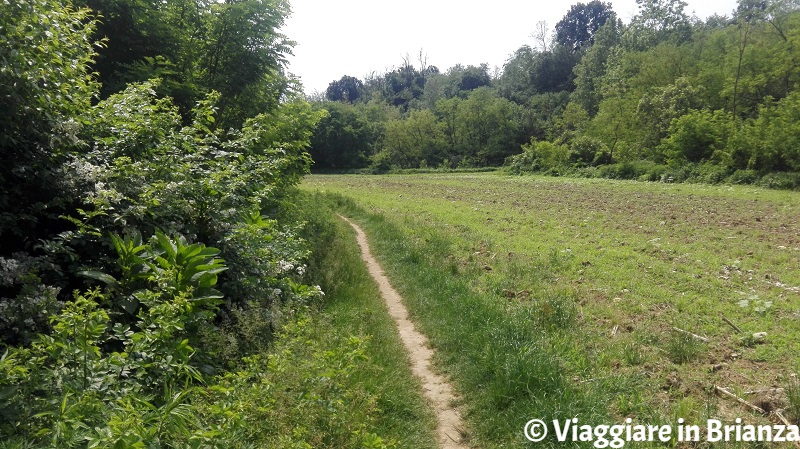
pixel 449 428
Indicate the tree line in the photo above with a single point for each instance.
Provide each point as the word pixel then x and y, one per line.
pixel 664 96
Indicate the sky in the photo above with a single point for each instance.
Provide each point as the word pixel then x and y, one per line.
pixel 358 37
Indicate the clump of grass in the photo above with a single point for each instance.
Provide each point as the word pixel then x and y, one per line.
pixel 793 396
pixel 683 348
pixel 556 310
pixel 632 354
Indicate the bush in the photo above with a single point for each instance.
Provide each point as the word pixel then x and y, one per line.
pixel 641 170
pixel 586 150
pixel 695 137
pixel 539 156
pixel 744 177
pixel 712 174
pixel 782 180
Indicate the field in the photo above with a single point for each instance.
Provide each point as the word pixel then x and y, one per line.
pixel 561 298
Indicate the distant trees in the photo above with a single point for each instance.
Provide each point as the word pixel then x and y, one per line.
pixel 343 138
pixel 348 89
pixel 665 88
pixel 578 27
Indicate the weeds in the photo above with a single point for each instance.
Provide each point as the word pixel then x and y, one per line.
pixel 682 348
pixel 793 397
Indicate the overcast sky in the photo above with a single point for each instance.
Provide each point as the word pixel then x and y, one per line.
pixel 356 37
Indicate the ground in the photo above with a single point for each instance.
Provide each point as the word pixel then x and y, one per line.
pixel 636 260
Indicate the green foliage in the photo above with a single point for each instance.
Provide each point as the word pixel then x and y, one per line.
pixel 301 396
pixel 793 394
pixel 577 28
pixel 773 136
pixel 134 123
pixel 45 85
pixel 233 48
pixel 682 348
pixel 25 315
pixel 343 138
pixel 409 141
pixel 659 20
pixel 348 90
pixel 539 156
pixel 45 82
pixel 530 72
pixel 699 135
pixel 65 390
pixel 213 167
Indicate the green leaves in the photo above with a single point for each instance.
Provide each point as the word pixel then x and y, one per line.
pixel 165 268
pixel 186 268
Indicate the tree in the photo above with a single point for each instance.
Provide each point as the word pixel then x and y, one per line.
pixel 529 72
pixel 232 47
pixel 416 139
pixel 658 21
pixel 348 89
pixel 593 66
pixel 243 57
pixel 45 88
pixel 516 82
pixel 342 139
pixel 488 128
pixel 472 77
pixel 578 27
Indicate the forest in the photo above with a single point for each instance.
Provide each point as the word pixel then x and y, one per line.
pixel 664 97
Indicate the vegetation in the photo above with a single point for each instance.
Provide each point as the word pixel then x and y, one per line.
pixel 559 298
pixel 165 283
pixel 156 281
pixel 664 97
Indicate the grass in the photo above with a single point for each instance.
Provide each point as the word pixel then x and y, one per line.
pixel 550 297
pixel 353 307
pixel 337 376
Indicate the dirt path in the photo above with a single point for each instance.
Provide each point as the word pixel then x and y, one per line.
pixel 449 427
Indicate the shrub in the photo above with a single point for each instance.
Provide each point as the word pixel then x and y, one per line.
pixel 695 137
pixel 743 177
pixel 25 315
pixel 781 180
pixel 539 156
pixel 586 150
pixel 712 174
pixel 642 170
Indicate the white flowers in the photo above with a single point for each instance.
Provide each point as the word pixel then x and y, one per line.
pixel 285 266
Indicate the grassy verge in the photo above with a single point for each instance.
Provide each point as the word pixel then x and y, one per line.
pixel 551 298
pixel 337 375
pixel 354 307
pixel 507 369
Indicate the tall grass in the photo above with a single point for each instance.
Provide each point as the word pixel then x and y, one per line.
pixel 353 306
pixel 509 364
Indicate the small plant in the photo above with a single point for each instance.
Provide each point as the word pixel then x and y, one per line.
pixel 555 311
pixel 683 348
pixel 793 396
pixel 758 305
pixel 632 354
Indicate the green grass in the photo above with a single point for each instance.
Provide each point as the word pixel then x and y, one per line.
pixel 354 307
pixel 550 297
pixel 337 375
